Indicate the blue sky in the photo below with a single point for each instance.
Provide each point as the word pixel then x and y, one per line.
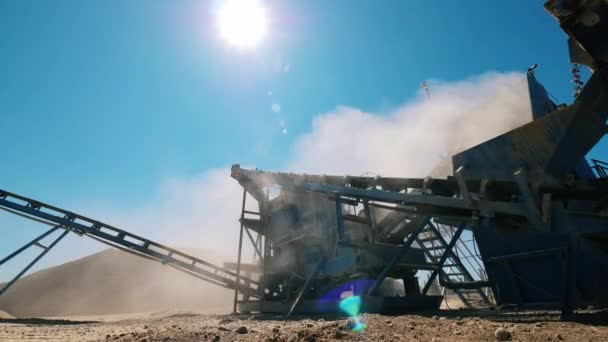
pixel 100 101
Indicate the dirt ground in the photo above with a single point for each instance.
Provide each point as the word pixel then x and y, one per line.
pixel 438 326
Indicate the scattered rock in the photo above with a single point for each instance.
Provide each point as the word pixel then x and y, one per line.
pixel 216 338
pixel 559 337
pixel 226 320
pixel 309 325
pixel 435 317
pixel 242 330
pixel 388 321
pixel 275 330
pixel 223 329
pixel 339 334
pixel 502 334
pixel 442 318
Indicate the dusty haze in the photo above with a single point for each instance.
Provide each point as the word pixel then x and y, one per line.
pixel 202 211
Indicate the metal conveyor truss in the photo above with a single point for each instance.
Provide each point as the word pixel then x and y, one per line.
pixel 66 221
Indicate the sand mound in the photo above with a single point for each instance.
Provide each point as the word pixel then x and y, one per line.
pixel 112 282
pixel 5 315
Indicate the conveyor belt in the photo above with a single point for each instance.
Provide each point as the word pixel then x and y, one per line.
pixel 126 241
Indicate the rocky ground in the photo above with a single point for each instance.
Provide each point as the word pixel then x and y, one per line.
pixel 440 326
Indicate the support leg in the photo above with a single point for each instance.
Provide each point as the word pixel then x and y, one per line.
pixel 28 245
pixel 27 268
pixel 305 287
pixel 238 261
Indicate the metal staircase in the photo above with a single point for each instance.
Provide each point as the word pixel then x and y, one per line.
pixel 60 219
pixel 452 273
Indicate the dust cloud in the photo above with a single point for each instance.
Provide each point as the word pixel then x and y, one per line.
pixel 418 136
pixel 202 211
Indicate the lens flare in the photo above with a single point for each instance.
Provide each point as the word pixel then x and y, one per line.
pixel 352 306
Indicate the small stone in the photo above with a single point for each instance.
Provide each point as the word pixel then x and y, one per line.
pixel 167 338
pixel 145 327
pixel 388 321
pixel 558 337
pixel 223 329
pixel 216 338
pixel 309 325
pixel 108 336
pixel 339 334
pixel 144 340
pixel 502 334
pixel 435 317
pixel 275 330
pixel 242 330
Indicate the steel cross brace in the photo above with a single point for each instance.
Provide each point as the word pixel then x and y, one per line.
pixel 406 246
pixel 40 256
pixel 446 254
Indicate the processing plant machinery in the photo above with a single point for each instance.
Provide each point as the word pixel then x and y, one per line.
pixel 529 201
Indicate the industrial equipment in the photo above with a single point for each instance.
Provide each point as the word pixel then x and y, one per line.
pixel 528 200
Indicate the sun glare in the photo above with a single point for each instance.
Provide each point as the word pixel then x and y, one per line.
pixel 242 23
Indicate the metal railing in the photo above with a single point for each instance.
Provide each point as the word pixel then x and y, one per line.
pixel 600 168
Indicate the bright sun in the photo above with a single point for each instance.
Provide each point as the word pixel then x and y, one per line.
pixel 242 23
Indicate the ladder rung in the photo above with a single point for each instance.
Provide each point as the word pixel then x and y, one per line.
pixel 428 239
pixel 434 248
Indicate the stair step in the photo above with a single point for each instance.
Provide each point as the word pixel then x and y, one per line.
pixel 423 240
pixel 434 248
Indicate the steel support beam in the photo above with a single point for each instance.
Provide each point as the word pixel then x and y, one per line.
pixel 446 254
pixel 40 256
pixel 406 246
pixel 238 260
pixel 339 218
pixel 306 286
pixel 28 245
